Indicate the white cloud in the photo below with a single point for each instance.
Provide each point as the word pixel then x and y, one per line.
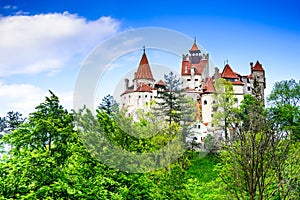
pixel 48 42
pixel 9 7
pixel 25 97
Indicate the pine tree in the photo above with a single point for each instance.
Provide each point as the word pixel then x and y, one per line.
pixel 172 102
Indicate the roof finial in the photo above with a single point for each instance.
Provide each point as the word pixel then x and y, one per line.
pixel 225 62
pixel 144 48
pixel 195 39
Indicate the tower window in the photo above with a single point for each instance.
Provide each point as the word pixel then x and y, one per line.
pixel 188 79
pixel 145 96
pixel 196 79
pixel 139 96
pixel 205 102
pixel 248 88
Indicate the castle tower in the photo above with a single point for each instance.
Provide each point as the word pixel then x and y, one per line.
pixel 194 65
pixel 195 54
pixel 143 73
pixel 143 88
pixel 258 73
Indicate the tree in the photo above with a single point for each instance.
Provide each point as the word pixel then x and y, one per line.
pixel 48 160
pixel 171 100
pixel 11 121
pixel 224 104
pixel 285 106
pixel 145 134
pixel 255 163
pixel 109 105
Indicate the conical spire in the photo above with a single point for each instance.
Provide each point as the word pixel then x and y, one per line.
pixel 257 67
pixel 144 70
pixel 228 72
pixel 195 47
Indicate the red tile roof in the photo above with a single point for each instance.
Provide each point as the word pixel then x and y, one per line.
pixel 199 67
pixel 160 82
pixel 208 87
pixel 258 67
pixel 228 73
pixel 194 47
pixel 143 88
pixel 144 71
pixel 238 82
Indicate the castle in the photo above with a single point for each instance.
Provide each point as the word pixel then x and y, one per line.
pixel 196 82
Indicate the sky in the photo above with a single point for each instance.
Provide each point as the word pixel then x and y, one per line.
pixel 44 44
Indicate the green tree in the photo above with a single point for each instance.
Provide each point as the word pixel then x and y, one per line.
pixel 284 102
pixel 48 160
pixel 254 164
pixel 109 105
pixel 11 121
pixel 171 99
pixel 224 104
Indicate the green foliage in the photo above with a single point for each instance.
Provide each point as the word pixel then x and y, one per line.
pixel 224 104
pixel 203 181
pixel 254 163
pixel 285 107
pixel 49 162
pixel 109 105
pixel 172 104
pixel 11 121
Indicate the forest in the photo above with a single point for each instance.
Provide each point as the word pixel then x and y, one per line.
pixel 56 153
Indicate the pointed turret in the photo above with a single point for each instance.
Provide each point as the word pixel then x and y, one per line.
pixel 195 53
pixel 228 73
pixel 144 70
pixel 257 67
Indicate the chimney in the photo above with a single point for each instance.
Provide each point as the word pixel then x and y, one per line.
pixel 217 73
pixel 126 83
pixel 251 65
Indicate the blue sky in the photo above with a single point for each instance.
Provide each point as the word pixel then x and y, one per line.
pixel 44 42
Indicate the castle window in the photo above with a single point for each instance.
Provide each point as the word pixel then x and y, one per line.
pixel 205 102
pixel 196 79
pixel 139 96
pixel 248 88
pixel 145 96
pixel 188 79
pixel 151 96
